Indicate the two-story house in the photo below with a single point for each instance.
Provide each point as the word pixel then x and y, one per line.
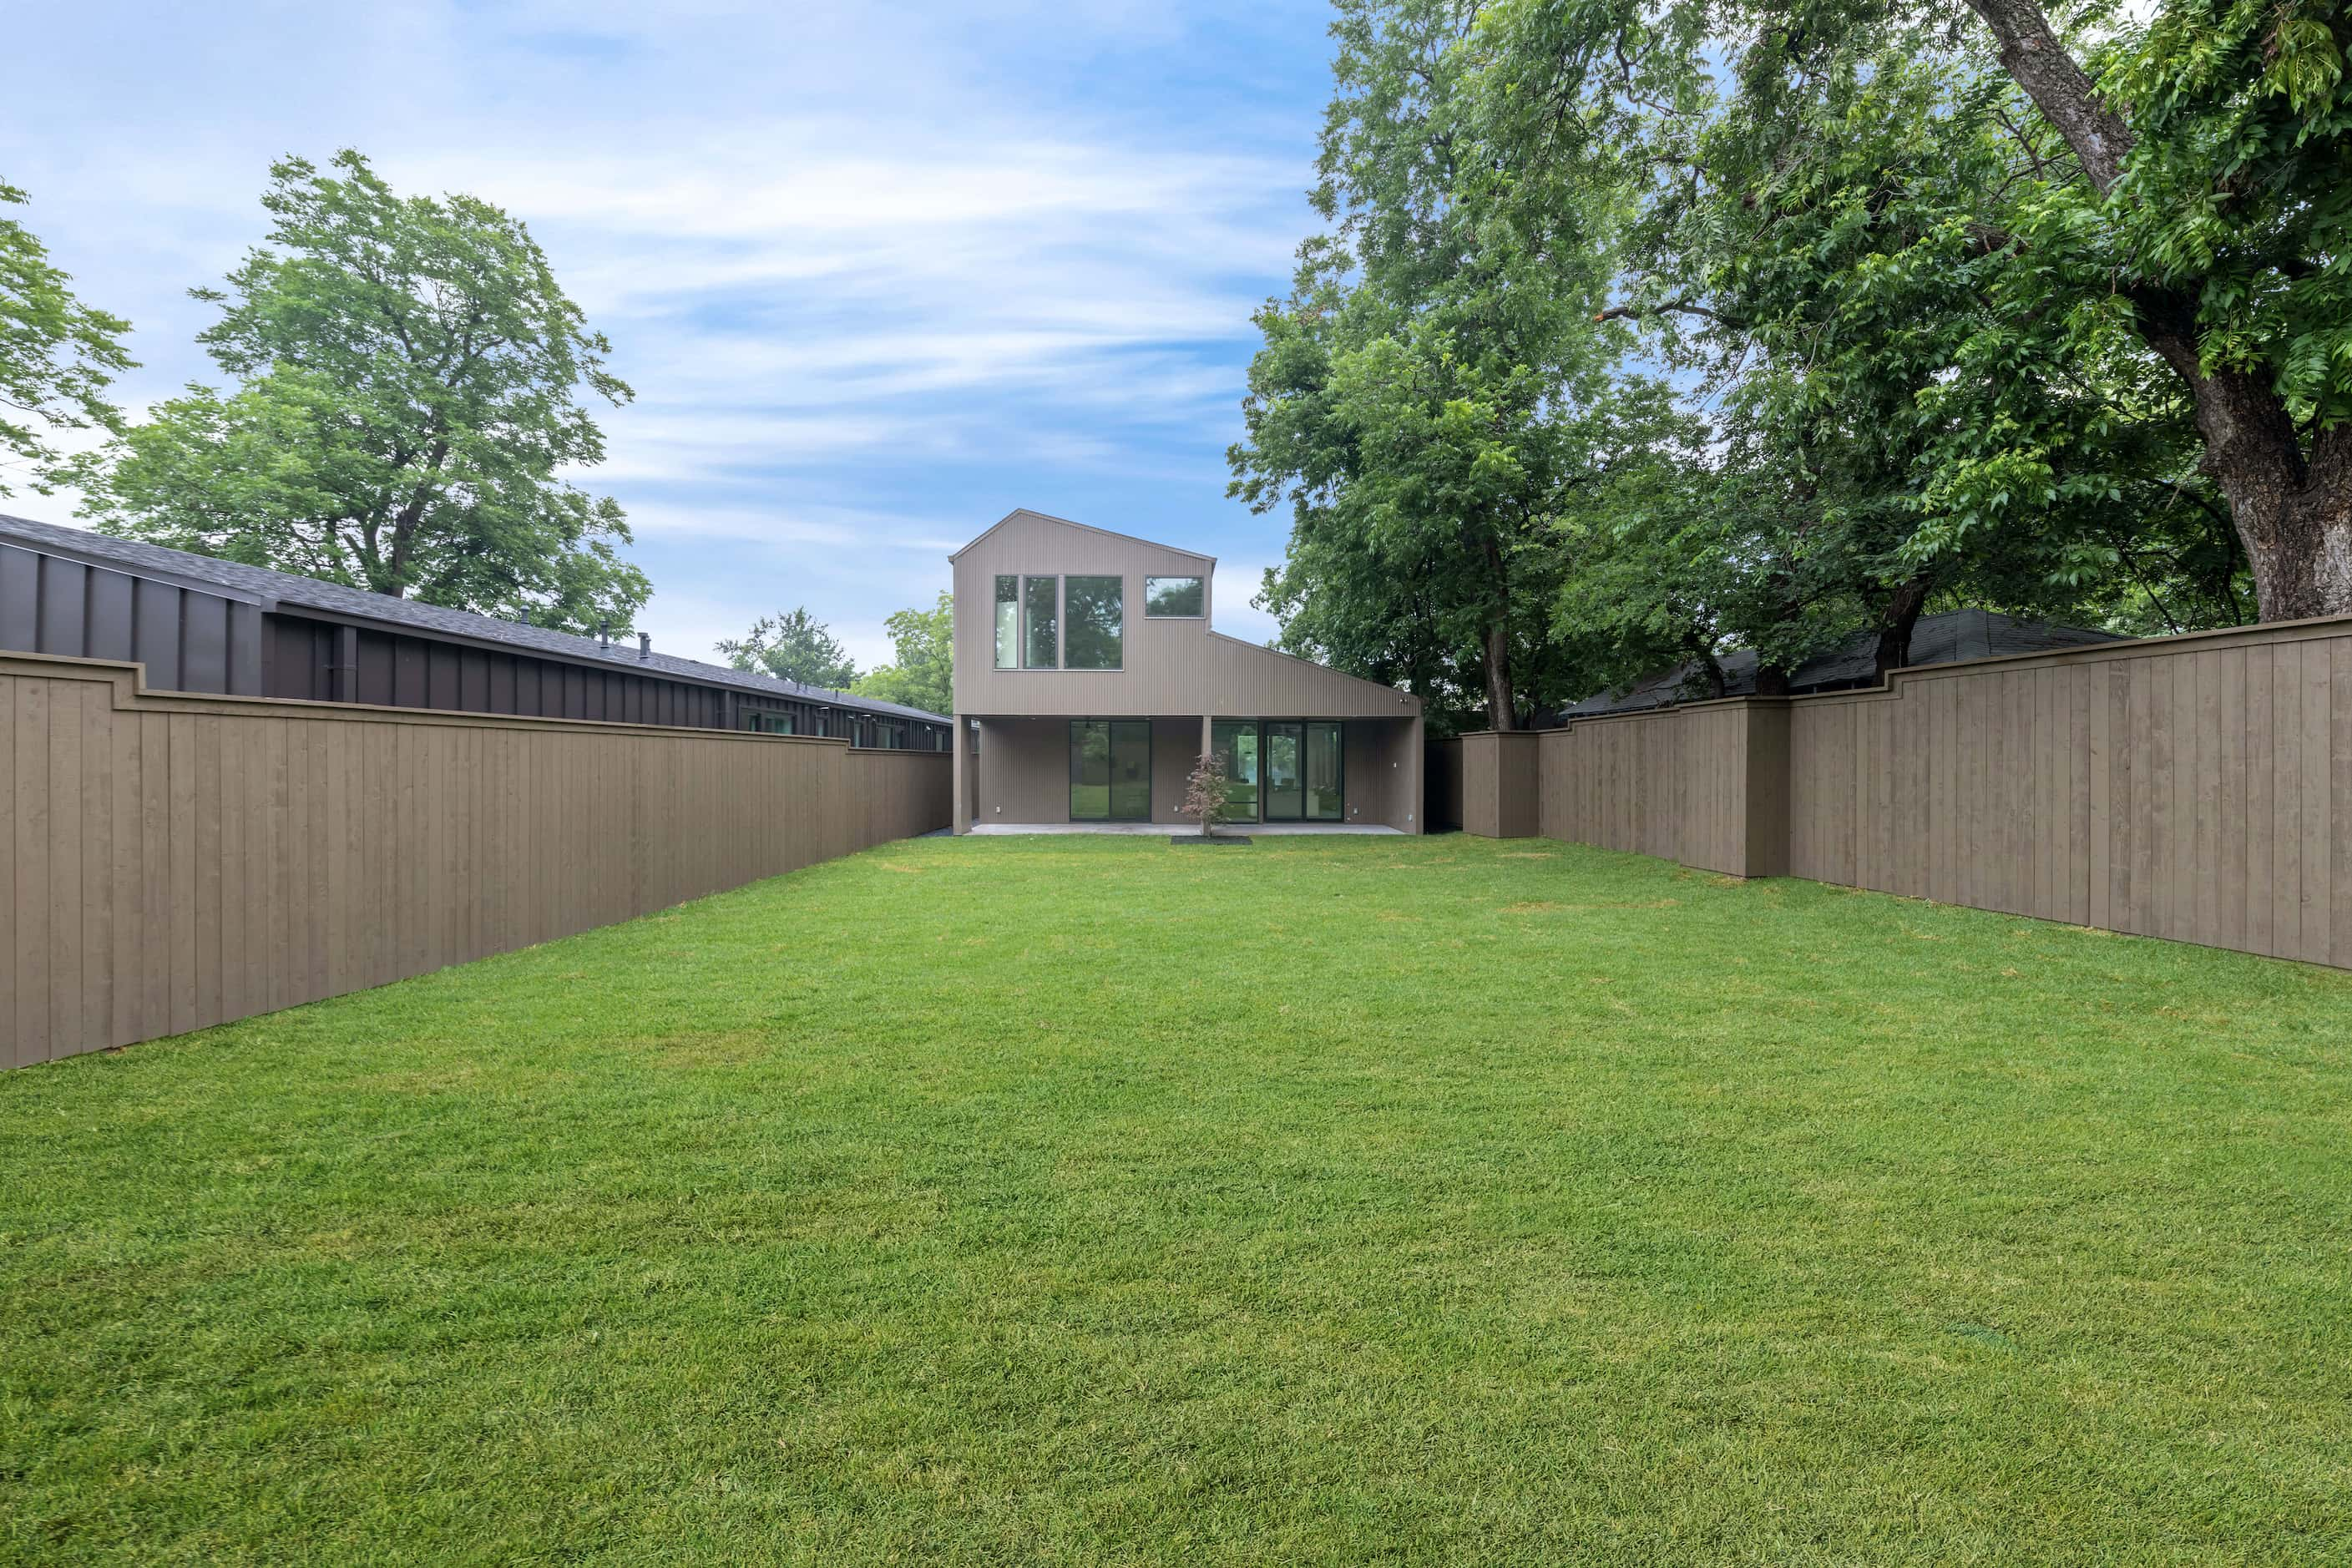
pixel 1089 680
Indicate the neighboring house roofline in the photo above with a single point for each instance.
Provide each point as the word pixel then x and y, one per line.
pixel 1070 522
pixel 286 592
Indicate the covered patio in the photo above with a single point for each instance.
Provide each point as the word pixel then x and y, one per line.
pixel 1031 774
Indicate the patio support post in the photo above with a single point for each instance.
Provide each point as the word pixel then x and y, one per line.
pixel 959 815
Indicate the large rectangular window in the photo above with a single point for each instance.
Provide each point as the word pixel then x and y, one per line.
pixel 1008 622
pixel 1174 598
pixel 1096 610
pixel 1110 770
pixel 1041 643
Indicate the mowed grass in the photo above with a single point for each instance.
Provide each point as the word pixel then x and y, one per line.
pixel 1069 1200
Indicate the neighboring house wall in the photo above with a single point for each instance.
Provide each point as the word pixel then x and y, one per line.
pixel 172 861
pixel 244 641
pixel 2195 787
pixel 189 640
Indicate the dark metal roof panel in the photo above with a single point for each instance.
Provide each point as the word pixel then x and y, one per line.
pixel 272 589
pixel 1946 639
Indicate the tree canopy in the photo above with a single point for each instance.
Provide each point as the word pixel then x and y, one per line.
pixel 795 647
pixel 57 355
pixel 1714 324
pixel 922 675
pixel 411 381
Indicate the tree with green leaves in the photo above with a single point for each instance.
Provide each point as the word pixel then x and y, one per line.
pixel 1427 393
pixel 411 381
pixel 57 355
pixel 794 647
pixel 923 673
pixel 2133 231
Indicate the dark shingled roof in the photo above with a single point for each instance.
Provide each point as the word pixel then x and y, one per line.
pixel 1937 639
pixel 259 585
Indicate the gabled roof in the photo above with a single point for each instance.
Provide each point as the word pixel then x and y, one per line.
pixel 1946 639
pixel 1087 527
pixel 271 590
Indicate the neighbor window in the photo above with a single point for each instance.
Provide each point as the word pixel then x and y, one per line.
pixel 1008 622
pixel 1041 647
pixel 1173 598
pixel 1097 614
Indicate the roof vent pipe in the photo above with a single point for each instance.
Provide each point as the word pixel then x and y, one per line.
pixel 605 637
pixel 645 646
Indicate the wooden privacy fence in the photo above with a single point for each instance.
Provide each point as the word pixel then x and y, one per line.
pixel 2194 787
pixel 172 861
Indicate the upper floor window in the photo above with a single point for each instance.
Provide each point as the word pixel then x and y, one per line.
pixel 1173 598
pixel 1008 622
pixel 1041 643
pixel 1096 609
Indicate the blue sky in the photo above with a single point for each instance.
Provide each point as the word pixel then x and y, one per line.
pixel 877 273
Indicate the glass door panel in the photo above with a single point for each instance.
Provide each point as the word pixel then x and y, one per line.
pixel 1130 769
pixel 1089 769
pixel 1235 745
pixel 1285 780
pixel 1324 755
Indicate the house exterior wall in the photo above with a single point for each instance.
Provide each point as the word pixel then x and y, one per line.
pixel 1172 668
pixel 1175 672
pixel 1023 771
pixel 189 640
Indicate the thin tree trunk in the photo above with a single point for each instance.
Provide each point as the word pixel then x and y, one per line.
pixel 1895 624
pixel 1502 706
pixel 1771 680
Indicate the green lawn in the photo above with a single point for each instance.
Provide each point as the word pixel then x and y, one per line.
pixel 1075 1200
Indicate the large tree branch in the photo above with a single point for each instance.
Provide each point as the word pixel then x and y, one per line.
pixel 2060 88
pixel 1671 307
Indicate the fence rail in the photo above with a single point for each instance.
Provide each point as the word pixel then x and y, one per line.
pixel 2194 787
pixel 173 860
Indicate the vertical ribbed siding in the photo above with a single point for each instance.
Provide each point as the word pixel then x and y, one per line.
pixel 168 863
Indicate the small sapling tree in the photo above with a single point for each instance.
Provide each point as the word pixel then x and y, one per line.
pixel 1204 795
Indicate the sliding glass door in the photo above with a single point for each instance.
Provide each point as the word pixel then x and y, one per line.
pixel 1286 781
pixel 1110 770
pixel 1322 769
pixel 1235 742
pixel 1303 771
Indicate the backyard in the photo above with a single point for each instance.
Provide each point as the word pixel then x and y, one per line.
pixel 1091 1200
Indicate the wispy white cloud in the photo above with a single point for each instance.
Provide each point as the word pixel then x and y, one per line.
pixel 876 273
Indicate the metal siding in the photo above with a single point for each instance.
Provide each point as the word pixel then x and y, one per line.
pixel 203 643
pixel 1170 666
pixel 155 632
pixel 64 584
pixel 20 600
pixel 379 673
pixel 108 632
pixel 294 657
